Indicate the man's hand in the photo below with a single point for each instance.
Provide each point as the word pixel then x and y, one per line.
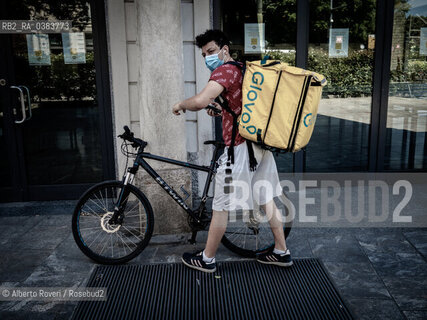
pixel 177 108
pixel 212 113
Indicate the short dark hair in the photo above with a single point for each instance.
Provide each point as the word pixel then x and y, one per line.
pixel 212 35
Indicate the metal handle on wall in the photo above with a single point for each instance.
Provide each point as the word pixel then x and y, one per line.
pixel 21 94
pixel 29 102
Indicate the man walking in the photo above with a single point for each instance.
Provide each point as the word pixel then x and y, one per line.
pixel 226 80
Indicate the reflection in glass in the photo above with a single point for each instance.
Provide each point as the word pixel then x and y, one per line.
pixel 279 19
pixel 406 141
pixel 61 141
pixel 342 44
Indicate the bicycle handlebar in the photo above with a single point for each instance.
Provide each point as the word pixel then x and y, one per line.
pixel 129 136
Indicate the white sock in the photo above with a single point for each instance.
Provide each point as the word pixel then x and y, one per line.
pixel 280 252
pixel 206 259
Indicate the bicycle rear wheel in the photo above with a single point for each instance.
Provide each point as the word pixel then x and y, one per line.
pixel 249 233
pixel 108 243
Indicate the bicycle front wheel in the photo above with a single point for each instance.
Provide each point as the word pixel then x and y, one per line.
pixel 99 238
pixel 249 233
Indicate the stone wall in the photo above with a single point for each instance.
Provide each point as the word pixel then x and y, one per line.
pixel 153 64
pixel 160 85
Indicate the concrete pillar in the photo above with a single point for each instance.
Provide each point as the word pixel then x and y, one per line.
pixel 205 123
pixel 119 76
pixel 160 86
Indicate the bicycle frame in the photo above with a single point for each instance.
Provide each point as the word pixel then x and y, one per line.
pixel 211 170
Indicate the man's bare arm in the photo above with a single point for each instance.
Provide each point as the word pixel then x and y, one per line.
pixel 212 90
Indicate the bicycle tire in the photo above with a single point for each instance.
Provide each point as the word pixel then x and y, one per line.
pixel 249 253
pixel 84 199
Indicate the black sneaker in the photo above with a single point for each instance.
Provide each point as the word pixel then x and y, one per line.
pixel 272 258
pixel 195 261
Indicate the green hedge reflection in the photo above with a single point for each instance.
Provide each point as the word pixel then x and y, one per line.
pixel 68 82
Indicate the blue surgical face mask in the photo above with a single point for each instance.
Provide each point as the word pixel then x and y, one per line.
pixel 213 61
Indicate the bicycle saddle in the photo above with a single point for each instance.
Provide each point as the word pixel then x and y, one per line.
pixel 215 143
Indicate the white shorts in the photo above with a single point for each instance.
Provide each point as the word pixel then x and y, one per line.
pixel 245 186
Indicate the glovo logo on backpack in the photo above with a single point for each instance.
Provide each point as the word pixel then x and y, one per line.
pixel 251 96
pixel 280 105
pixel 309 120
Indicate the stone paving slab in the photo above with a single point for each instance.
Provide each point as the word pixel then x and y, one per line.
pixel 415 315
pixel 381 272
pixel 410 293
pixel 339 248
pixel 398 264
pixel 378 309
pixel 418 239
pixel 357 280
pixel 376 242
pixel 20 264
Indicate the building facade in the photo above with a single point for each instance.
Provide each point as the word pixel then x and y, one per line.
pixel 127 62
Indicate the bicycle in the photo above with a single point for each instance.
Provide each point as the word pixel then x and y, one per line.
pixel 113 220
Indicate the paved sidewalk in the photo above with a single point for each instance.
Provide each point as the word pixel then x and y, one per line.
pixel 382 273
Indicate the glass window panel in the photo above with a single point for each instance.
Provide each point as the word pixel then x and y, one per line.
pixel 341 47
pixel 406 142
pixel 62 139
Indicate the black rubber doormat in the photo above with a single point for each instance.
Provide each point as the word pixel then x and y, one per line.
pixel 237 290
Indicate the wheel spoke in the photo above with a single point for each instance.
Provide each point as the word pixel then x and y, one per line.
pixel 94 213
pixel 123 242
pixel 88 228
pixel 137 204
pixel 106 199
pixel 105 245
pixel 112 245
pixel 97 204
pixel 101 242
pixel 99 233
pixel 89 215
pixel 105 208
pixel 131 232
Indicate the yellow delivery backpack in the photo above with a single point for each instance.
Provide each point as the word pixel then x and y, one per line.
pixel 280 105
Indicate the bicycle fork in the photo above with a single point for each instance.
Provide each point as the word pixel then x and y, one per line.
pixel 120 205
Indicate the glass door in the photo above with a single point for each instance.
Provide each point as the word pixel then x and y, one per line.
pixel 406 130
pixel 49 106
pixel 342 47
